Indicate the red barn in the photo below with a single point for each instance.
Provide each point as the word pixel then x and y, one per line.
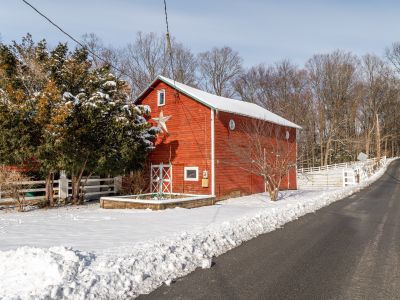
pixel 190 154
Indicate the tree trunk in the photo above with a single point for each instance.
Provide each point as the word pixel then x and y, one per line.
pixel 81 195
pixel 378 140
pixel 312 156
pixel 77 198
pixel 386 143
pixel 273 194
pixel 328 145
pixel 321 163
pixel 75 189
pixel 49 188
pixel 393 155
pixel 272 188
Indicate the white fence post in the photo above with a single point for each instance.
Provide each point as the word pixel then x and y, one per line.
pixel 117 184
pixel 63 186
pixel 97 186
pixel 344 177
pixel 335 175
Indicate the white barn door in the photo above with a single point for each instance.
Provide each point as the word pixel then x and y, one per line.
pixel 161 178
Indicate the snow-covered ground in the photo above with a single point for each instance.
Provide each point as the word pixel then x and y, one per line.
pixel 91 253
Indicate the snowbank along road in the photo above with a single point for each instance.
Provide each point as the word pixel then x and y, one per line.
pixel 348 250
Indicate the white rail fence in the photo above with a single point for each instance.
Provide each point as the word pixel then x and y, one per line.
pixel 338 175
pixel 346 165
pixel 62 188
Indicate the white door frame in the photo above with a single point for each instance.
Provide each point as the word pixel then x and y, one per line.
pixel 161 178
pixel 212 152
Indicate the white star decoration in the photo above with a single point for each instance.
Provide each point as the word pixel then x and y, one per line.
pixel 161 121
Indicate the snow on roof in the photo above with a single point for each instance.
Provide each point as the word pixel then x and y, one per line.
pixel 228 105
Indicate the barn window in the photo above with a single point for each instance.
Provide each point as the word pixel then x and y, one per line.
pixel 191 173
pixel 161 97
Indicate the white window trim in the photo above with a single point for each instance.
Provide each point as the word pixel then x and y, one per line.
pixel 158 97
pixel 191 169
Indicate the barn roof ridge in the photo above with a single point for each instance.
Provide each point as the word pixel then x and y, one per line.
pixel 229 105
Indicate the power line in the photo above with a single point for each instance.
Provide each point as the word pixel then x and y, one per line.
pixel 107 62
pixel 74 39
pixel 166 15
pixel 169 47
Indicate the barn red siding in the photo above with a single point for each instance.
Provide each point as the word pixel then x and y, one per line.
pixel 229 177
pixel 188 142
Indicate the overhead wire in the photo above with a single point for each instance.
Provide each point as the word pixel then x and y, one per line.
pixel 94 55
pixel 169 44
pixel 170 52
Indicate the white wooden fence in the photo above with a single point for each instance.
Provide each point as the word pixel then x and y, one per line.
pixel 337 175
pixel 346 165
pixel 62 188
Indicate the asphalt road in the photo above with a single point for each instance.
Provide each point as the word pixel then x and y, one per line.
pixel 348 250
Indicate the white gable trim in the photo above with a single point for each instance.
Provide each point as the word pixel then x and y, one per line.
pixel 212 153
pixel 253 111
pixel 163 79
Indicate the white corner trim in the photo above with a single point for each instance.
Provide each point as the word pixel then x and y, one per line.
pixel 212 153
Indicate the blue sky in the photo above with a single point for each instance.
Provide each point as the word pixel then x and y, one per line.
pixel 261 31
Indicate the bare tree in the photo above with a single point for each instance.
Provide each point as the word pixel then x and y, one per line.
pixel 145 59
pixel 336 100
pixel 219 69
pixel 393 55
pixel 283 89
pixel 95 45
pixel 252 85
pixel 377 91
pixel 13 183
pixel 108 55
pixel 333 80
pixel 184 65
pixel 263 149
pixel 391 112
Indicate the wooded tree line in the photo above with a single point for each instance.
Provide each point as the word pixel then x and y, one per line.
pixel 346 104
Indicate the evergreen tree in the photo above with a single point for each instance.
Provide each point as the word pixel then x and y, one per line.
pixel 104 132
pixel 16 128
pixel 61 113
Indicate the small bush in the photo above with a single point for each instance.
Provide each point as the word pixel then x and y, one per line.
pixel 137 182
pixel 12 184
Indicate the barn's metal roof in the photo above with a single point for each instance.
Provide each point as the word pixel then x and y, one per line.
pixel 226 104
